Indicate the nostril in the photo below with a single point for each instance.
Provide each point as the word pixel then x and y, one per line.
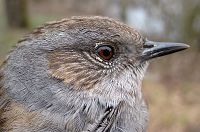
pixel 148 46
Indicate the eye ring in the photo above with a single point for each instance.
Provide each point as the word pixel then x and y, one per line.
pixel 105 52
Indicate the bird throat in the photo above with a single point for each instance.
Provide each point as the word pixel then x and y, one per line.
pixel 125 86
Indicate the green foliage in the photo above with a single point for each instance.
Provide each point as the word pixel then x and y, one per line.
pixel 190 33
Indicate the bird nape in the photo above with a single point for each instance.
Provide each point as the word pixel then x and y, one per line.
pixel 78 74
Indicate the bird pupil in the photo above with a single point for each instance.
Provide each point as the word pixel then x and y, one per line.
pixel 106 52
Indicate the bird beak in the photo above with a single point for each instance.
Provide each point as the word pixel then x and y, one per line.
pixel 157 49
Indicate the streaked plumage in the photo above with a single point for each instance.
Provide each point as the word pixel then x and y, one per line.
pixel 55 81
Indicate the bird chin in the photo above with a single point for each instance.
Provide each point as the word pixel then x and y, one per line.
pixel 143 68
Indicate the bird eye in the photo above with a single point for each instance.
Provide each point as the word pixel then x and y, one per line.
pixel 105 52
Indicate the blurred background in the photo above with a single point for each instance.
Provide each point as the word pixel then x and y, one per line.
pixel 172 83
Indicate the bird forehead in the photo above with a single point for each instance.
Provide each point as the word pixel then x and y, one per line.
pixel 96 27
pixel 82 31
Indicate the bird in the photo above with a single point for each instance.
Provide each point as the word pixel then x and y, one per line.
pixel 79 74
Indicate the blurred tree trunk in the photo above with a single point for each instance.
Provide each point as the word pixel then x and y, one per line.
pixel 16 11
pixel 123 5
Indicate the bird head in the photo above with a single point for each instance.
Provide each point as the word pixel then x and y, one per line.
pixel 95 55
pixel 96 48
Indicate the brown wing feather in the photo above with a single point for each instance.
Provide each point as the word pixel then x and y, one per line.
pixel 4 103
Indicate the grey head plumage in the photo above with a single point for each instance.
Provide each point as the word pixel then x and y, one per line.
pixel 78 74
